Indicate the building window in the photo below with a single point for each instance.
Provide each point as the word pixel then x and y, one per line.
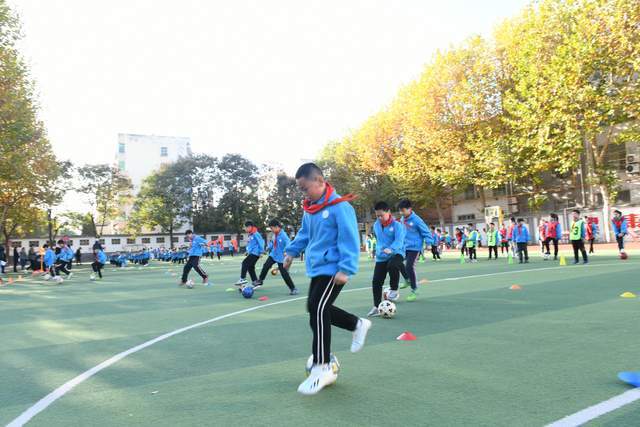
pixel 500 191
pixel 131 241
pixel 227 237
pixel 616 156
pixel 466 217
pixel 101 241
pixel 34 243
pixel 159 239
pixel 84 242
pixel 115 241
pixel 164 151
pixel 16 244
pixel 121 147
pixel 623 196
pixel 146 240
pixel 470 193
pixel 69 242
pixel 175 240
pixel 121 165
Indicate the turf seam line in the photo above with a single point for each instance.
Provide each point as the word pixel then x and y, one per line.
pixel 59 392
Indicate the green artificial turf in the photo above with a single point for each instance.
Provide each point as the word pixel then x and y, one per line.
pixel 485 355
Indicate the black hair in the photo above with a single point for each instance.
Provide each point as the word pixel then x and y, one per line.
pixel 404 204
pixel 554 216
pixel 46 245
pixel 275 223
pixel 249 224
pixel 576 211
pixel 512 219
pixel 61 242
pixel 188 232
pixel 309 170
pixel 470 224
pixel 492 223
pixel 382 206
pixel 520 219
pixel 617 211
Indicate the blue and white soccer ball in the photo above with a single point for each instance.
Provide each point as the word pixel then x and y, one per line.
pixel 247 291
pixel 333 362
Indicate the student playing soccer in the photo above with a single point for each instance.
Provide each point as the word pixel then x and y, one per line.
pixel 63 259
pixel 329 234
pixel 493 237
pixel 195 252
pixel 255 247
pixel 553 234
pixel 619 227
pixel 577 233
pixel 520 236
pixel 49 261
pixel 504 242
pixel 542 235
pixel 512 244
pixel 389 256
pixel 435 243
pixel 592 232
pixel 100 261
pixel 417 232
pixel 472 242
pixel 276 256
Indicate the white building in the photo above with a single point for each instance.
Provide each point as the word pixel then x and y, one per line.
pixel 140 155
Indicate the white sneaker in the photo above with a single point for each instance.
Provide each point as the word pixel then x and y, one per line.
pixel 393 295
pixel 241 282
pixel 360 335
pixel 320 377
pixel 373 312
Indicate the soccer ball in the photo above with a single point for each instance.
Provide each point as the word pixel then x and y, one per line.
pixel 59 279
pixel 387 291
pixel 623 255
pixel 92 277
pixel 333 362
pixel 546 257
pixel 189 284
pixel 274 271
pixel 47 276
pixel 247 291
pixel 387 309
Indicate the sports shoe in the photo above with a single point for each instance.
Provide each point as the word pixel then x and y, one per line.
pixel 294 291
pixel 360 335
pixel 70 276
pixel 205 282
pixel 585 262
pixel 392 295
pixel 257 284
pixel 373 312
pixel 241 282
pixel 405 284
pixel 320 377
pixel 412 296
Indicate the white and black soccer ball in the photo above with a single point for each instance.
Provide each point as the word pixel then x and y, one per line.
pixel 546 257
pixel 333 362
pixel 387 309
pixel 47 276
pixel 190 284
pixel 92 277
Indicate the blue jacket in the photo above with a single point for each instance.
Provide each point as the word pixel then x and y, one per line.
pixel 277 250
pixel 389 237
pixel 49 257
pixel 331 240
pixel 416 232
pixel 520 234
pixel 594 229
pixel 197 246
pixel 255 244
pixel 622 229
pixel 101 256
pixel 66 254
pixel 435 239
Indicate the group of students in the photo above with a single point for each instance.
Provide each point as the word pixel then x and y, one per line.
pixel 59 258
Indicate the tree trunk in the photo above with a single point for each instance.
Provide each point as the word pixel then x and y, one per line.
pixel 605 213
pixel 171 235
pixel 439 211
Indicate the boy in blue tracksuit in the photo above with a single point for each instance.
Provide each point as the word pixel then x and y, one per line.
pixel 416 234
pixel 195 252
pixel 619 227
pixel 330 238
pixel 276 256
pixel 435 243
pixel 100 261
pixel 49 260
pixel 389 254
pixel 255 248
pixel 520 237
pixel 63 259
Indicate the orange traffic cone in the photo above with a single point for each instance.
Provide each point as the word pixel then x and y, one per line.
pixel 406 336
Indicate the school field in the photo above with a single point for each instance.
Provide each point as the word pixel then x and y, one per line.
pixel 484 355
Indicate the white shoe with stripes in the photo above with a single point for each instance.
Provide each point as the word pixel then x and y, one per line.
pixel 320 377
pixel 360 335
